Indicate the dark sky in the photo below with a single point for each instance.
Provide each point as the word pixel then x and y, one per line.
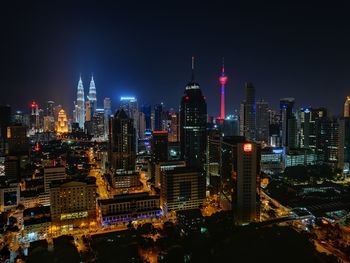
pixel 143 48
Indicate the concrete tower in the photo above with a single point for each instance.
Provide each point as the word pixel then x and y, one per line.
pixel 223 80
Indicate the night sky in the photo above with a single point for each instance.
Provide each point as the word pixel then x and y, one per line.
pixel 144 48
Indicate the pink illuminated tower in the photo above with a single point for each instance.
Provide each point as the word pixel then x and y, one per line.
pixel 223 80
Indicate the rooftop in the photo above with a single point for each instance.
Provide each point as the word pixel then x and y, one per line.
pixel 128 197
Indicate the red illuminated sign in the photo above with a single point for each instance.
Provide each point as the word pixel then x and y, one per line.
pixel 247 147
pixel 160 132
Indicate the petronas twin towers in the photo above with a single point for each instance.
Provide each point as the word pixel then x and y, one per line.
pixel 79 110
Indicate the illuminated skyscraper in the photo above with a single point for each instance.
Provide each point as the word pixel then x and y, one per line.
pixel 107 106
pixel 80 106
pixel 122 144
pixel 130 106
pixel 62 122
pixel 98 124
pixel 307 132
pixel 173 129
pixel 246 200
pixel 327 139
pixel 347 107
pixel 193 122
pixel 49 118
pixel 5 119
pixel 34 117
pixel 262 121
pixel 223 81
pixel 92 96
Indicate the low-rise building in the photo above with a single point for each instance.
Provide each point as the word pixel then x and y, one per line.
pixel 300 157
pixel 32 199
pixel 182 188
pixel 9 196
pixel 36 222
pixel 129 207
pixel 125 179
pixel 190 220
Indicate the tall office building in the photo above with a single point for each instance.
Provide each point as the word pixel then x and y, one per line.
pixel 50 109
pixel 79 110
pixel 158 117
pixel 262 121
pixel 34 117
pixel 230 126
pixel 246 200
pixel 344 145
pixel 129 105
pixel 92 96
pixel 248 113
pixel 49 118
pixel 347 107
pixel 327 140
pixel 275 139
pixel 49 124
pixel 17 141
pixel 73 203
pixel 159 146
pixel 122 144
pixel 107 106
pixel 142 125
pixel 131 108
pixel 173 128
pixel 293 132
pixel 98 124
pixel 181 188
pixel 286 107
pixel 5 120
pixel 307 126
pixel 193 122
pixel 147 110
pixel 53 173
pixel 88 111
pixel 19 117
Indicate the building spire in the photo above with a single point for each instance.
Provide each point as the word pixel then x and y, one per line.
pixel 223 67
pixel 192 69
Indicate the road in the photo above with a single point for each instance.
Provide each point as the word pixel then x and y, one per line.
pixel 324 247
pixel 101 184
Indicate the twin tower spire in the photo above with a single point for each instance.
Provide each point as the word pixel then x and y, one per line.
pixel 92 90
pixel 80 105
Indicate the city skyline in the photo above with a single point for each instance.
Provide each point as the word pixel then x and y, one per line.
pixel 303 56
pixel 170 131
